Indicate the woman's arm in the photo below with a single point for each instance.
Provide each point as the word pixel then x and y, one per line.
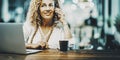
pixel 39 45
pixel 67 32
pixel 61 16
pixel 28 33
pixel 27 29
pixel 32 46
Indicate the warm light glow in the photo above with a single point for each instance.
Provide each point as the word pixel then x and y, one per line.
pixel 62 1
pixel 73 7
pixel 91 4
pixel 75 1
pixel 81 5
pixel 90 0
pixel 19 10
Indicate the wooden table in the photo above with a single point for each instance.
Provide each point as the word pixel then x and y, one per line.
pixel 52 54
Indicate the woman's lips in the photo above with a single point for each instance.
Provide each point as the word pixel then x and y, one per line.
pixel 47 14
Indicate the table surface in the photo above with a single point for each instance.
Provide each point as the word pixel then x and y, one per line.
pixel 53 54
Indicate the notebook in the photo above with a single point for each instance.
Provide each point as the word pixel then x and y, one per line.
pixel 12 39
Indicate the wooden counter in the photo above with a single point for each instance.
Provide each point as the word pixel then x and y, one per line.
pixel 52 54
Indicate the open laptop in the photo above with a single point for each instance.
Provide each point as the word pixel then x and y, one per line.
pixel 12 39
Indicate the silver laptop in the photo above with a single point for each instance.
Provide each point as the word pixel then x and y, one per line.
pixel 12 39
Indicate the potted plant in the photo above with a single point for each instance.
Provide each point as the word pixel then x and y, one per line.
pixel 117 23
pixel 117 33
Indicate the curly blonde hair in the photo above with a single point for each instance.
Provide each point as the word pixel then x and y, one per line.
pixel 33 14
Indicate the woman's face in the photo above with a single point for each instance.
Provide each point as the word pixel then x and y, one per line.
pixel 47 9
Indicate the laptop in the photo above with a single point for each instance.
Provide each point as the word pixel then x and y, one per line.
pixel 12 39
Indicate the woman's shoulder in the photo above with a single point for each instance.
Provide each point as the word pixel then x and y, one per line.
pixel 58 28
pixel 28 25
pixel 58 25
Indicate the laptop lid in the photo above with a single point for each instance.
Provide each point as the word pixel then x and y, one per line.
pixel 12 38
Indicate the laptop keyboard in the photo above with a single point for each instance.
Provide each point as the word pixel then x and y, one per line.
pixel 32 50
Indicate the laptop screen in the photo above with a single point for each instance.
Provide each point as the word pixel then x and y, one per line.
pixel 11 38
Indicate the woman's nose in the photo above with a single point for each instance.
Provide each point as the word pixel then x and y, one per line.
pixel 47 8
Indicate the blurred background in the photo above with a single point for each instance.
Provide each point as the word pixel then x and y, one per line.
pixel 92 22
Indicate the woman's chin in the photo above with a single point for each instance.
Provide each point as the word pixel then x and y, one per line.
pixel 48 17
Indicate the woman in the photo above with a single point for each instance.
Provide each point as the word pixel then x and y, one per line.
pixel 45 25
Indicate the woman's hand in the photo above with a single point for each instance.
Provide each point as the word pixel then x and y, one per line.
pixel 43 44
pixel 60 14
pixel 32 46
pixel 39 45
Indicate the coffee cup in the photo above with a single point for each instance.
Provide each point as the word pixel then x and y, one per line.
pixel 63 45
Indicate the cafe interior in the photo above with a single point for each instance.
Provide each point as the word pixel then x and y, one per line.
pixel 94 24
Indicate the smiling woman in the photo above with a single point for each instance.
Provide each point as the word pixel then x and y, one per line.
pixel 45 25
pixel 47 11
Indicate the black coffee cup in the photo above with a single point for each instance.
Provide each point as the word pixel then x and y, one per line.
pixel 63 45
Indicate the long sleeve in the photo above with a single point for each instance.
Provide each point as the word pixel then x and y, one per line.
pixel 26 30
pixel 67 32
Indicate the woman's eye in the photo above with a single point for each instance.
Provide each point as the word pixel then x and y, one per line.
pixel 43 5
pixel 51 5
